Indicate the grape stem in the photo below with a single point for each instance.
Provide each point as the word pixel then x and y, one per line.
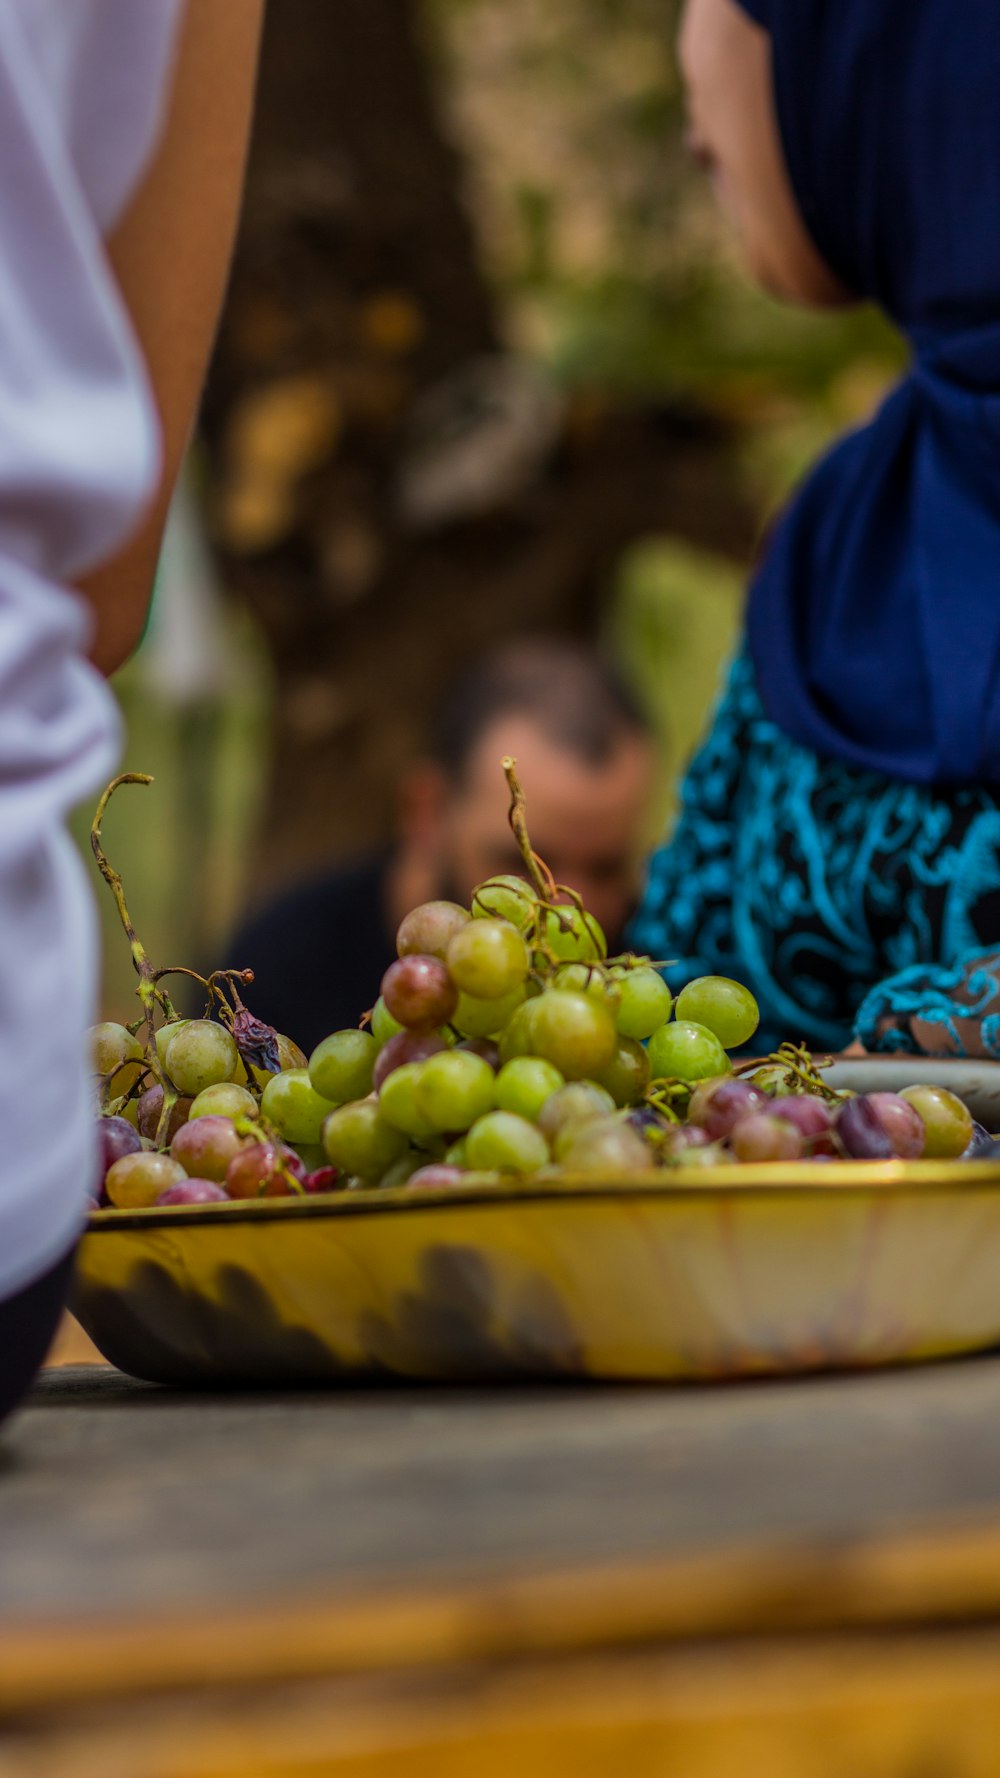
pixel 150 994
pixel 539 875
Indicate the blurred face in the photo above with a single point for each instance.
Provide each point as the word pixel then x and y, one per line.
pixel 584 820
pixel 733 131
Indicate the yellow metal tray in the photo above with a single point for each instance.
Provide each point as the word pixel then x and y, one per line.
pixel 743 1271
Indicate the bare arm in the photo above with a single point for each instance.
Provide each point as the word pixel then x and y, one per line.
pixel 171 256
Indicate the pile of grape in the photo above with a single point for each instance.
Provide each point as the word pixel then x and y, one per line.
pixel 504 1043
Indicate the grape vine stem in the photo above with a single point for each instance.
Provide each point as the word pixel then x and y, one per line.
pixel 151 995
pixel 539 875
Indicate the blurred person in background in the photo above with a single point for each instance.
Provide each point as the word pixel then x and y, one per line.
pixel 838 843
pixel 123 131
pixel 585 758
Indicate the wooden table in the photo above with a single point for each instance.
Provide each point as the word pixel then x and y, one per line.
pixel 801 1580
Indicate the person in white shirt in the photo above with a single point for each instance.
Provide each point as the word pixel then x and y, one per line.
pixel 123 131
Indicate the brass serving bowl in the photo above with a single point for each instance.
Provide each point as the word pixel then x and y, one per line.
pixel 740 1271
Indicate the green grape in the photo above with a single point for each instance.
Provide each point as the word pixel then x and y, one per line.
pixel 605 1146
pixel 516 1038
pixel 488 959
pixel 644 1005
pixel 428 929
pixel 402 1171
pixel 572 935
pixel 311 1154
pixel 723 1007
pixel 947 1122
pixel 486 1018
pixel 712 1155
pixel 576 1103
pixel 110 1046
pixel 292 1106
pixel 117 1056
pixel 503 1143
pixel 341 1067
pixel 685 1051
pixel 398 1103
pixel 225 1100
pixel 506 898
pixel 202 1054
pixel 357 1139
pixel 588 978
pixel 454 1089
pixel 574 1032
pixel 525 1083
pixel 383 1024
pixel 164 1035
pixel 455 1156
pixel 137 1180
pixel 627 1075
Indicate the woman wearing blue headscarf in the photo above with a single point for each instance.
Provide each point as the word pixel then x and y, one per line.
pixel 838 846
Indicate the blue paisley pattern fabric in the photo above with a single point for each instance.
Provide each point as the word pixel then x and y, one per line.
pixel 849 902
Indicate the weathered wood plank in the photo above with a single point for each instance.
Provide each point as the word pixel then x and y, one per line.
pixel 887 1707
pixel 114 1494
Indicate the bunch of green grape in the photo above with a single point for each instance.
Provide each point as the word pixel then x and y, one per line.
pixel 504 1041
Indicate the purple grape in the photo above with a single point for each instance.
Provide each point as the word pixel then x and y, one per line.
pixel 719 1105
pixel 862 1132
pixel 644 1117
pixel 902 1123
pixel 193 1191
pixel 810 1116
pixel 406 1046
pixel 116 1137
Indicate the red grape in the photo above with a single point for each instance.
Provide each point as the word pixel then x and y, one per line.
pixel 764 1137
pixel 485 1047
pixel 408 1046
pixel 323 1179
pixel 428 930
pixel 717 1106
pixel 193 1191
pixel 810 1115
pixel 258 1171
pixel 419 992
pixel 206 1146
pixel 902 1123
pixel 437 1175
pixel 150 1106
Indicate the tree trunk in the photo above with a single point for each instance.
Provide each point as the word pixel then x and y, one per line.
pixel 356 290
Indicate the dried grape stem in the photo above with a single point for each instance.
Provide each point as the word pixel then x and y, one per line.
pixel 539 875
pixel 150 996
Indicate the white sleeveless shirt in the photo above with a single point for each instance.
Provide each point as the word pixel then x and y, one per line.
pixel 82 88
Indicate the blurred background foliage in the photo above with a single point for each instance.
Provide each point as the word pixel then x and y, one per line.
pixel 488 363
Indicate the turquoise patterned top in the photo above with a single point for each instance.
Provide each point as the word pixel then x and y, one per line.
pixel 849 902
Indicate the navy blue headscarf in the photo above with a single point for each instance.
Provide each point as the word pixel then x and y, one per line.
pixel 874 620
